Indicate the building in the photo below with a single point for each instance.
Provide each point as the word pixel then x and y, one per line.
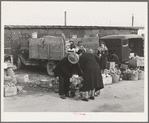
pixel 16 36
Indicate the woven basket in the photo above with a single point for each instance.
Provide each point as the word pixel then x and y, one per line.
pixel 115 78
pixel 133 76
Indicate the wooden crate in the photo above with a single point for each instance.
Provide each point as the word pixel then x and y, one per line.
pixel 10 91
pixel 22 78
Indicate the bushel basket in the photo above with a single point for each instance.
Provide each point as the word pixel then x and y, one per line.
pixel 125 76
pixel 115 78
pixel 133 76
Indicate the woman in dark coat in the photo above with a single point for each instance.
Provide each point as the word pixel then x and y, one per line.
pixel 64 70
pixel 92 78
pixel 103 55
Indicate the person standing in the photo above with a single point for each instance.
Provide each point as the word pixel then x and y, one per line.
pixel 103 55
pixel 80 46
pixel 92 78
pixel 64 70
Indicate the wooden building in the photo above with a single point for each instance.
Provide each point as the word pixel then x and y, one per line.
pixel 16 36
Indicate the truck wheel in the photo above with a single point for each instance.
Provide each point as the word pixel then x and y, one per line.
pixel 19 63
pixel 50 67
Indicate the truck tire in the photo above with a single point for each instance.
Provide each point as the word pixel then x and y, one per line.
pixel 50 67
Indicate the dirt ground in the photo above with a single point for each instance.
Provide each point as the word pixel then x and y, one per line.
pixel 125 96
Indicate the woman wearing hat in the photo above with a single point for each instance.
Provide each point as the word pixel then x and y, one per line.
pixel 92 79
pixel 64 70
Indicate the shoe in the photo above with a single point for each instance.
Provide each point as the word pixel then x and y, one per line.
pixel 85 99
pixel 97 93
pixel 63 97
pixel 67 95
pixel 92 98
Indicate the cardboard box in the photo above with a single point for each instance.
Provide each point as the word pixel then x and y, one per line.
pixel 10 91
pixel 110 65
pixel 107 79
pixel 22 78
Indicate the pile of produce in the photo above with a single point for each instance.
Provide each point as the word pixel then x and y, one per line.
pixel 112 72
pixel 76 81
pixel 128 71
pixel 133 74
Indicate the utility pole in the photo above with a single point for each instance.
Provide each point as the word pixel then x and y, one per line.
pixel 65 18
pixel 132 20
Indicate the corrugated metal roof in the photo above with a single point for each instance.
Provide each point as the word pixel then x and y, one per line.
pixel 66 27
pixel 127 36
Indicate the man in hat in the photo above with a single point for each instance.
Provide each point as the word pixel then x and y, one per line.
pixel 64 70
pixel 80 46
pixel 72 47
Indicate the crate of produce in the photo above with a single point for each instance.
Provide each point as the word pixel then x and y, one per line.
pixel 10 91
pixel 22 78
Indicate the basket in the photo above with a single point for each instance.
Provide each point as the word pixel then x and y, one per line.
pixel 133 76
pixel 141 75
pixel 115 78
pixel 125 76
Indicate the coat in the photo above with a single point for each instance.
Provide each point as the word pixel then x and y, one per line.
pixel 103 59
pixel 92 78
pixel 66 69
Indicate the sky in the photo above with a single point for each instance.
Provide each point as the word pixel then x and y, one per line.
pixel 78 13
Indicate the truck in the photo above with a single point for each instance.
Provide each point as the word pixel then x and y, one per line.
pixel 124 45
pixel 49 50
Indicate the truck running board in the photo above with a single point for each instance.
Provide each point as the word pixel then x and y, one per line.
pixel 32 63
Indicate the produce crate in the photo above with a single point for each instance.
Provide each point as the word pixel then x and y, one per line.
pixel 10 91
pixel 22 78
